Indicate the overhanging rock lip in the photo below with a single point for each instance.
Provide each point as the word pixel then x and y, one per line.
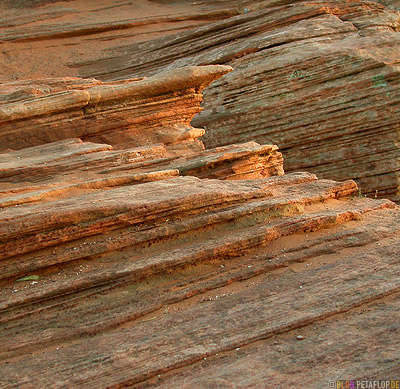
pixel 60 101
pixel 122 110
pixel 197 77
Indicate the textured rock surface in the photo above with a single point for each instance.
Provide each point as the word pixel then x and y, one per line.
pixel 123 114
pixel 115 270
pixel 319 79
pixel 71 166
pixel 213 277
pixel 39 38
pixel 131 258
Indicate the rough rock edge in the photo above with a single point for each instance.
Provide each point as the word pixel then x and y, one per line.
pixel 128 113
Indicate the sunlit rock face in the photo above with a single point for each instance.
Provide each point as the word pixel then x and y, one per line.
pixel 133 256
pixel 319 79
pixel 123 114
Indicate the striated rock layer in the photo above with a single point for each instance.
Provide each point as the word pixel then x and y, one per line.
pixel 129 113
pixel 137 266
pixel 40 37
pixel 131 256
pixel 159 282
pixel 319 79
pixel 71 166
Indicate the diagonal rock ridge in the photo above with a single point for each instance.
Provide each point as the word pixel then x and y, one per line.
pixel 131 256
pixel 132 113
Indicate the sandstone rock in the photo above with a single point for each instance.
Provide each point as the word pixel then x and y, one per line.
pixel 39 38
pixel 392 4
pixel 71 166
pixel 339 128
pixel 123 114
pixel 120 268
pixel 109 280
pixel 319 79
pixel 137 280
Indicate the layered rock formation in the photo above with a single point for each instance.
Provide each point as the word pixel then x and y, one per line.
pixel 72 166
pixel 129 113
pixel 114 286
pixel 319 79
pixel 132 256
pixel 138 266
pixel 39 38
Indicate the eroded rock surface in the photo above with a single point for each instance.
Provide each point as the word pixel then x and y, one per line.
pixel 128 282
pixel 39 38
pixel 137 267
pixel 128 113
pixel 319 79
pixel 131 256
pixel 71 166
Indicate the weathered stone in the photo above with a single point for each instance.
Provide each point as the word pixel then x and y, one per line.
pixel 332 345
pixel 116 271
pixel 123 114
pixel 318 79
pixel 70 166
pixel 39 38
pixel 138 280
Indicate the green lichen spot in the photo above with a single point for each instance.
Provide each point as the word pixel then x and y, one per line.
pixel 28 278
pixel 379 81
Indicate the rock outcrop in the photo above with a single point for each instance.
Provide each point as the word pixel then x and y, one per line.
pixel 114 286
pixel 319 79
pixel 132 256
pixel 123 114
pixel 39 38
pixel 71 166
pixel 139 266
